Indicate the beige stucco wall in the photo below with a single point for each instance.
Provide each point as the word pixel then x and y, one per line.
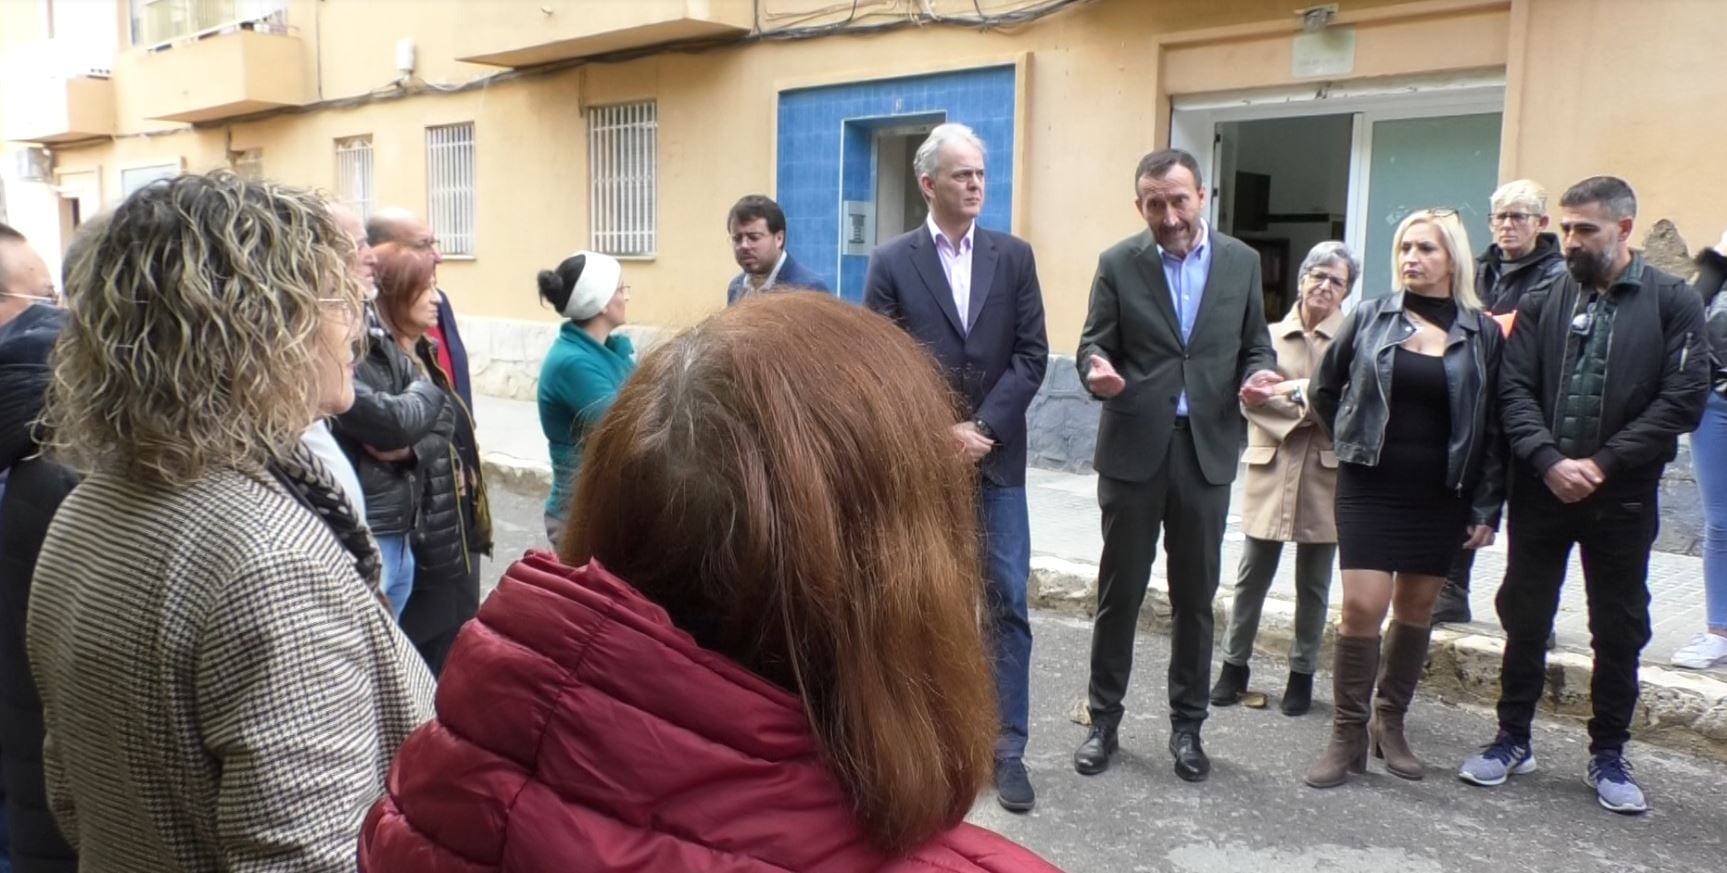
pixel 1628 89
pixel 1097 82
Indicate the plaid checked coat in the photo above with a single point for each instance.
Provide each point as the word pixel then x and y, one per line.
pixel 221 690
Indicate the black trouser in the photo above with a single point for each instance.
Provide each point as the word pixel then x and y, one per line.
pixel 1192 513
pixel 1461 568
pixel 1614 529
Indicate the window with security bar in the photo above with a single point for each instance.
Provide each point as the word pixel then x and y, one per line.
pixel 354 174
pixel 248 164
pixel 450 187
pixel 623 151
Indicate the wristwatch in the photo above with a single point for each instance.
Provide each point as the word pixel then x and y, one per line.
pixel 1298 396
pixel 983 428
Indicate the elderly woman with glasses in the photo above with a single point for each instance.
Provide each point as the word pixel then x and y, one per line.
pixel 1290 484
pixel 1409 393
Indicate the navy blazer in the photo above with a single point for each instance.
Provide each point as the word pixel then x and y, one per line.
pixel 458 350
pixel 997 366
pixel 793 275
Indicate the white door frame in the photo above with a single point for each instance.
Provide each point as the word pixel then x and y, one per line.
pixel 1193 122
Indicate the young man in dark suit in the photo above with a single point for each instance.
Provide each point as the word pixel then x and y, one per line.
pixel 971 296
pixel 1174 336
pixel 757 227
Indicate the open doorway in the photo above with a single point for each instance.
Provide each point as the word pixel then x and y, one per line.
pixel 1412 143
pixel 1282 187
pixel 899 201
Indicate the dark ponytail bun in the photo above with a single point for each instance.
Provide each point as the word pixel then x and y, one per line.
pixel 556 285
pixel 553 290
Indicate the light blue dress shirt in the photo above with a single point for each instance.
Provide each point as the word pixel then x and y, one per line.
pixel 1186 278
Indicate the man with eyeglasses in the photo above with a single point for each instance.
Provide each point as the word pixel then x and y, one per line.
pixel 1522 258
pixel 407 229
pixel 31 488
pixel 1602 373
pixel 24 277
pixel 757 227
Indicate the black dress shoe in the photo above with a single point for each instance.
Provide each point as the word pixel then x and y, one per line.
pixel 1191 763
pixel 1013 786
pixel 1092 757
pixel 1231 684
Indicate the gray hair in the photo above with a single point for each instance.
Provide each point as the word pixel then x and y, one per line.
pixel 924 163
pixel 1332 252
pixel 1522 192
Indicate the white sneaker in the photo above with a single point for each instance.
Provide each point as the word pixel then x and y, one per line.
pixel 1704 651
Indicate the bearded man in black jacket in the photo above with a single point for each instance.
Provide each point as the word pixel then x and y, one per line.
pixel 1602 373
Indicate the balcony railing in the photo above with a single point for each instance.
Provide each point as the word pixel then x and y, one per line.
pixel 158 23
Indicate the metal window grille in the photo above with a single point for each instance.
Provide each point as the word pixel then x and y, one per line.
pixel 248 164
pixel 623 151
pixel 354 174
pixel 450 186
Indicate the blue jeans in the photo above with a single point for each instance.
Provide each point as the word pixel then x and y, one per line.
pixel 1006 566
pixel 1709 459
pixel 398 576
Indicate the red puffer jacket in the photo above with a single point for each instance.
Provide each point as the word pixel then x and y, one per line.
pixel 578 730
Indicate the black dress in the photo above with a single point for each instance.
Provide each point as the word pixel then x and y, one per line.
pixel 1398 516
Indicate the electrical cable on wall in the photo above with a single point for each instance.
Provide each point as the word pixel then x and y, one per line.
pixel 413 85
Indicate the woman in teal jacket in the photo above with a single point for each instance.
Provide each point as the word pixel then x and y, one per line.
pixel 584 368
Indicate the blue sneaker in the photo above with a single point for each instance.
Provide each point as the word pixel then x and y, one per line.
pixel 1497 762
pixel 1610 775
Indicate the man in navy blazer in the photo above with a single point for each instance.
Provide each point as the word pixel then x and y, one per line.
pixel 758 230
pixel 971 297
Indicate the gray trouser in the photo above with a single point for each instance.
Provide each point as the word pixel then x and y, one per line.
pixel 1312 591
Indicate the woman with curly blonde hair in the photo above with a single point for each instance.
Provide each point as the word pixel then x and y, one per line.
pixel 221 686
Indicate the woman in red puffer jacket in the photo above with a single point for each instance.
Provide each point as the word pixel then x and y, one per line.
pixel 758 649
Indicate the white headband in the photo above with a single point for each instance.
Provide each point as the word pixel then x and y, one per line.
pixel 595 287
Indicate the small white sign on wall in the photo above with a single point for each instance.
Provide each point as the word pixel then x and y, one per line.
pixel 1328 52
pixel 857 227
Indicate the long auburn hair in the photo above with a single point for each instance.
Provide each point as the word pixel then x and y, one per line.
pixel 799 507
pixel 402 274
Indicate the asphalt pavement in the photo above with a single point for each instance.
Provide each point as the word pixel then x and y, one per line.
pixel 1255 815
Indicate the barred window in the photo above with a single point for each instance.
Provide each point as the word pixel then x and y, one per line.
pixel 248 164
pixel 623 149
pixel 354 174
pixel 450 186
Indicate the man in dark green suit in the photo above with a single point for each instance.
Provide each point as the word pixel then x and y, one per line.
pixel 1174 337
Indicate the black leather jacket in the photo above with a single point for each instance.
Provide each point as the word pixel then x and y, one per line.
pixel 395 407
pixel 1351 397
pixel 1711 276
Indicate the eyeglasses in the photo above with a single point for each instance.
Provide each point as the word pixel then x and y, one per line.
pixel 1326 280
pixel 424 245
pixel 52 298
pixel 1441 212
pixel 1510 217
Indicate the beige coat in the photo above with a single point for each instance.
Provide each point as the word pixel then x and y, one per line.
pixel 1290 487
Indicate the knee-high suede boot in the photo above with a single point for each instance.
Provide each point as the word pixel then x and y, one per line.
pixel 1401 665
pixel 1354 664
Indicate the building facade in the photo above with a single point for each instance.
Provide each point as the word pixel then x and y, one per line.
pixel 526 129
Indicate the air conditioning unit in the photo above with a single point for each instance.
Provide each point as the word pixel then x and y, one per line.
pixel 33 164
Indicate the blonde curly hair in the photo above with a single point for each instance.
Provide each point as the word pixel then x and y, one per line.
pixel 193 341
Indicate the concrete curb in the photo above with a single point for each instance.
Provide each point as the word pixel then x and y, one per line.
pixel 1678 709
pixel 515 474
